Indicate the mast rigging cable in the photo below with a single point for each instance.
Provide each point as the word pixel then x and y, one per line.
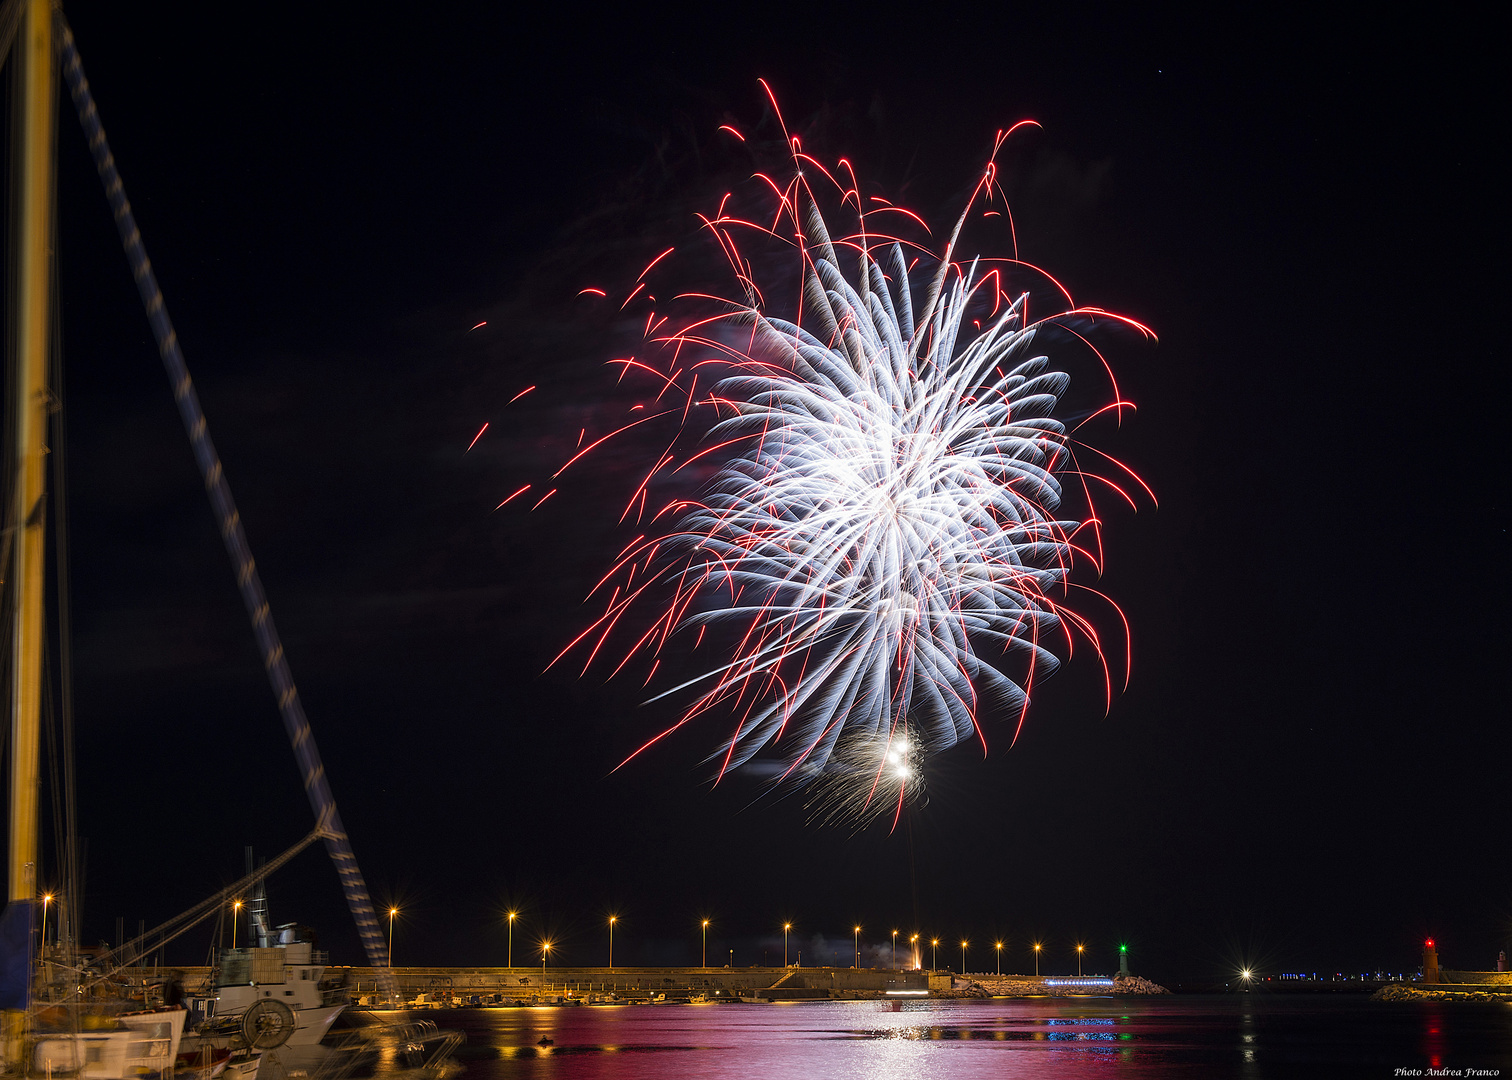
pixel 289 706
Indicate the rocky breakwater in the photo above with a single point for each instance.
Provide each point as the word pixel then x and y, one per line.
pixel 984 986
pixel 1442 992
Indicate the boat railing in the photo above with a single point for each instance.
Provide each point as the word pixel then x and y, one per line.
pixel 415 1045
pixel 422 1045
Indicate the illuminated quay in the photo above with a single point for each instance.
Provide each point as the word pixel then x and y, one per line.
pixel 449 987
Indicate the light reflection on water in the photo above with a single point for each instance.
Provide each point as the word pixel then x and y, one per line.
pixel 1241 1036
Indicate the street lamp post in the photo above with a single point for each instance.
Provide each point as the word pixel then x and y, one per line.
pixel 1079 950
pixel 785 928
pixel 612 920
pixel 46 900
pixel 856 942
pixel 934 943
pixel 895 951
pixel 392 912
pixel 1036 959
pixel 998 945
pixel 913 948
pixel 963 956
pixel 706 943
pixel 545 948
pixel 235 918
pixel 509 956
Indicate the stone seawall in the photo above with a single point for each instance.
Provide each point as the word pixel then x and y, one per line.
pixel 1452 986
pixel 1051 986
pixel 447 985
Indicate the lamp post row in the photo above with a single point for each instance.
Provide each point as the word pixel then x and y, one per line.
pixel 547 945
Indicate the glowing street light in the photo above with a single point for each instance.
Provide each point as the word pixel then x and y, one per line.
pixel 392 912
pixel 1079 950
pixel 1036 959
pixel 998 945
pixel 933 944
pixel 785 928
pixel 895 951
pixel 856 941
pixel 46 900
pixel 706 943
pixel 509 956
pixel 963 956
pixel 913 943
pixel 235 918
pixel 612 920
pixel 545 948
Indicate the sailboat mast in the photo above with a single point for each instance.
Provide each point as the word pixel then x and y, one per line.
pixel 33 125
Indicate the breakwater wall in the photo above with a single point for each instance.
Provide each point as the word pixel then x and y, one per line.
pixel 1481 978
pixel 445 983
pixel 736 982
pixel 460 985
pixel 987 984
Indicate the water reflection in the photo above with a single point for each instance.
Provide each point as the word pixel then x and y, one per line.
pixel 920 1040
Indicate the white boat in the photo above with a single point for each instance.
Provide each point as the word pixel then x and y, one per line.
pixel 145 1043
pixel 271 1002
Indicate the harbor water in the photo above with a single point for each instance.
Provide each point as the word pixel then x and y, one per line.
pixel 1183 1036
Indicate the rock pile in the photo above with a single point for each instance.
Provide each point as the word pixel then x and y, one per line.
pixel 1440 992
pixel 1009 986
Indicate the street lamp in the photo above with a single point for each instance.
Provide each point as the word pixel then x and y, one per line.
pixel 46 900
pixel 545 948
pixel 612 920
pixel 1036 959
pixel 998 945
pixel 1079 950
pixel 392 912
pixel 933 944
pixel 856 942
pixel 913 944
pixel 706 943
pixel 785 928
pixel 963 956
pixel 895 951
pixel 235 918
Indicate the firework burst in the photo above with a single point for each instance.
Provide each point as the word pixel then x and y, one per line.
pixel 885 532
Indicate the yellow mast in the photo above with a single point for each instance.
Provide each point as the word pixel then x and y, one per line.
pixel 32 127
pixel 33 122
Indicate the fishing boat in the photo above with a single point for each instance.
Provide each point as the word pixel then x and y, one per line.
pixel 63 1012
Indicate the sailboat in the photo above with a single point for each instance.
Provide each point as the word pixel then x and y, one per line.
pixel 38 47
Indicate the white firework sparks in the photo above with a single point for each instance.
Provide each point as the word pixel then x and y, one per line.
pixel 890 529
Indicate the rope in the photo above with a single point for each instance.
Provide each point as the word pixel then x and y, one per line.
pixel 127 954
pixel 296 724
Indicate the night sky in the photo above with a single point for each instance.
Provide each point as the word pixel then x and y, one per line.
pixel 1308 770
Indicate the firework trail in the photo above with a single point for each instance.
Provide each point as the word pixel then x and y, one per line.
pixel 885 531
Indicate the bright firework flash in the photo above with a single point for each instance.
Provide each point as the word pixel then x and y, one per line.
pixel 885 530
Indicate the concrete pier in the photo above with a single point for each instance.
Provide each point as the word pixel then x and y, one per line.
pixel 795 983
pixel 458 985
pixel 445 987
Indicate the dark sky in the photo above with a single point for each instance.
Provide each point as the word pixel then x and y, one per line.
pixel 1308 770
